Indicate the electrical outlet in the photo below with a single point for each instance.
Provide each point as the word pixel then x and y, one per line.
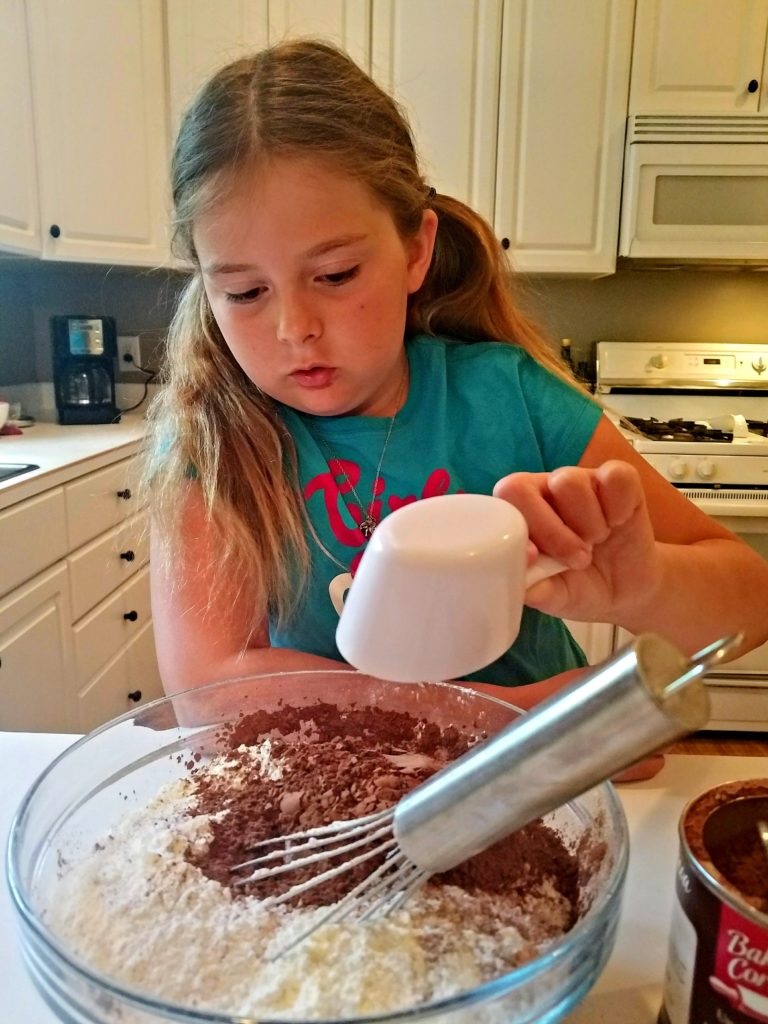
pixel 128 352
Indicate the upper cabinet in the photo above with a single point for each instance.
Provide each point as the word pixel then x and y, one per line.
pixel 449 88
pixel 198 43
pixel 562 118
pixel 697 58
pixel 519 109
pixel 19 218
pixel 98 90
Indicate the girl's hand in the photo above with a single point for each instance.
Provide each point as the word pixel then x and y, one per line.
pixel 597 523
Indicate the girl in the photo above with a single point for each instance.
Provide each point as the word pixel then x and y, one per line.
pixel 348 342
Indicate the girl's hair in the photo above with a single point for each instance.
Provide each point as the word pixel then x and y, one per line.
pixel 301 98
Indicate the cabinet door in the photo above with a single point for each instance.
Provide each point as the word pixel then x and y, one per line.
pixel 442 63
pixel 563 108
pixel 343 22
pixel 698 57
pixel 36 664
pixel 100 127
pixel 19 221
pixel 594 638
pixel 199 43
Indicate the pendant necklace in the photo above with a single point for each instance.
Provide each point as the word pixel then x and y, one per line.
pixel 368 522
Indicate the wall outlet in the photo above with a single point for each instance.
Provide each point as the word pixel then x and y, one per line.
pixel 128 352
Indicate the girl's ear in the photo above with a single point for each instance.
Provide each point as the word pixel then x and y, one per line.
pixel 419 250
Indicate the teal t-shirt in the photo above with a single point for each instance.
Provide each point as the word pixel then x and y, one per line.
pixel 475 412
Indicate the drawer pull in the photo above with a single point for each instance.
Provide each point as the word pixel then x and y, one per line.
pixel 125 495
pixel 135 696
pixel 753 85
pixel 127 555
pixel 131 616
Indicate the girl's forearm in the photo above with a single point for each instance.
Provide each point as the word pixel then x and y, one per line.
pixel 253 661
pixel 706 590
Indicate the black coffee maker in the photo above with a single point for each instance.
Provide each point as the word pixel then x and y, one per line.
pixel 84 355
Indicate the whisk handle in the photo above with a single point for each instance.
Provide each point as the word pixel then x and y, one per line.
pixel 617 714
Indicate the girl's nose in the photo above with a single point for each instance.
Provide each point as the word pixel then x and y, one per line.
pixel 297 322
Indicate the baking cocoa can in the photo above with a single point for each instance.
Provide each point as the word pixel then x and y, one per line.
pixel 717 967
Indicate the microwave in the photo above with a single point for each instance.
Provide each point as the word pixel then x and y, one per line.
pixel 695 189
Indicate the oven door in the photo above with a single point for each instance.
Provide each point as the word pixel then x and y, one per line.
pixel 695 201
pixel 738 690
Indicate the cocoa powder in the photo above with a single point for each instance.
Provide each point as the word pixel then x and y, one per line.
pixel 337 764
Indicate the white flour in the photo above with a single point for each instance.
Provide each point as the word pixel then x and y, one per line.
pixel 136 910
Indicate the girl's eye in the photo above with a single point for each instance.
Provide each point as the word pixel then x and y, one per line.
pixel 250 296
pixel 341 276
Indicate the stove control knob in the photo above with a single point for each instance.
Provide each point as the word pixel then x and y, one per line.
pixel 705 469
pixel 678 469
pixel 658 362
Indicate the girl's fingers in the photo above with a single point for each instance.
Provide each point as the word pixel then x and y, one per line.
pixel 620 491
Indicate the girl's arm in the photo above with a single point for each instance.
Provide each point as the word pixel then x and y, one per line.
pixel 642 555
pixel 197 642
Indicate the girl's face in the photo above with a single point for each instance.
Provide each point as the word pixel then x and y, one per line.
pixel 308 280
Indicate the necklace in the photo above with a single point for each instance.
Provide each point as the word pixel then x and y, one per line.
pixel 368 522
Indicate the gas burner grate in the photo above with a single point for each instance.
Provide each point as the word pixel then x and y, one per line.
pixel 678 430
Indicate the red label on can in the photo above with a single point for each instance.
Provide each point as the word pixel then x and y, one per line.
pixel 741 964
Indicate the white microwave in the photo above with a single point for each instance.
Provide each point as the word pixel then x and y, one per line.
pixel 696 188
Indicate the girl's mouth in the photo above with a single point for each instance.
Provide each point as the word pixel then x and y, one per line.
pixel 314 377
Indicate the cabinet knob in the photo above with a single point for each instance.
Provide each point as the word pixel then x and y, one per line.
pixel 753 86
pixel 127 555
pixel 125 495
pixel 54 230
pixel 135 696
pixel 131 616
pixel 505 243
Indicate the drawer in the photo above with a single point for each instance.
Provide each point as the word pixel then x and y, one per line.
pixel 33 536
pixel 129 679
pixel 103 565
pixel 101 500
pixel 101 633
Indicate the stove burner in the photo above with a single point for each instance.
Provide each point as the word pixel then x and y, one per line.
pixel 679 430
pixel 758 427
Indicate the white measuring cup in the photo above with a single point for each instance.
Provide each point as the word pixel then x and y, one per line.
pixel 439 591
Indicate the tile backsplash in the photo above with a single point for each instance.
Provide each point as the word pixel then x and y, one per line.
pixel 679 305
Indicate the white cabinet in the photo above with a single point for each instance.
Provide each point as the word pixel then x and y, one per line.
pixel 76 641
pixel 99 115
pixel 19 217
pixel 36 660
pixel 698 58
pixel 203 36
pixel 596 639
pixel 562 117
pixel 449 87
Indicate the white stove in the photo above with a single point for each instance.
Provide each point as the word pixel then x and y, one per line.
pixel 699 414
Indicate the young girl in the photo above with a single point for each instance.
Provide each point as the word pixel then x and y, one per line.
pixel 348 342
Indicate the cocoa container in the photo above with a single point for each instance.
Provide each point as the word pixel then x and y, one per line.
pixel 717 968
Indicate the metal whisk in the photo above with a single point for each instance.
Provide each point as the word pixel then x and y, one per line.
pixel 647 695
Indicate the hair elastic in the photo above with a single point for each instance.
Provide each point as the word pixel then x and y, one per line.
pixel 432 192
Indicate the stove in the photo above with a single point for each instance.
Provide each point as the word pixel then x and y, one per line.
pixel 697 413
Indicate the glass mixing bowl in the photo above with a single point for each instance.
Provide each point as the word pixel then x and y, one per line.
pixel 89 788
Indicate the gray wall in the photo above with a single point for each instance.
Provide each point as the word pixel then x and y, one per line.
pixel 32 291
pixel 680 305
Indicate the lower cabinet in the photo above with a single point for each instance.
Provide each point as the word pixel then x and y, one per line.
pixel 594 638
pixel 36 656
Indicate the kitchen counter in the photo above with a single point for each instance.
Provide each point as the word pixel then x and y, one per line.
pixel 61 452
pixel 629 989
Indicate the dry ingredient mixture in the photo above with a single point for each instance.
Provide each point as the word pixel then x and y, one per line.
pixel 155 905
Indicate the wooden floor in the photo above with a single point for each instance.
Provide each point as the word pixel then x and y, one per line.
pixel 734 744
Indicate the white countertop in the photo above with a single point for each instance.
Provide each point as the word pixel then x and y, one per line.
pixel 63 453
pixel 629 989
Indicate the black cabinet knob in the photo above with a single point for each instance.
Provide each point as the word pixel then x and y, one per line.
pixel 753 86
pixel 135 696
pixel 505 243
pixel 54 230
pixel 125 495
pixel 131 616
pixel 127 555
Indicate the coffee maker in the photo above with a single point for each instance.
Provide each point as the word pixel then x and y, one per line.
pixel 84 354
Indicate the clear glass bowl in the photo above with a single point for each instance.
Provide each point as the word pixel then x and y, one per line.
pixel 120 766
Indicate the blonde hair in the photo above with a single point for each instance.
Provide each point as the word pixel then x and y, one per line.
pixel 300 98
